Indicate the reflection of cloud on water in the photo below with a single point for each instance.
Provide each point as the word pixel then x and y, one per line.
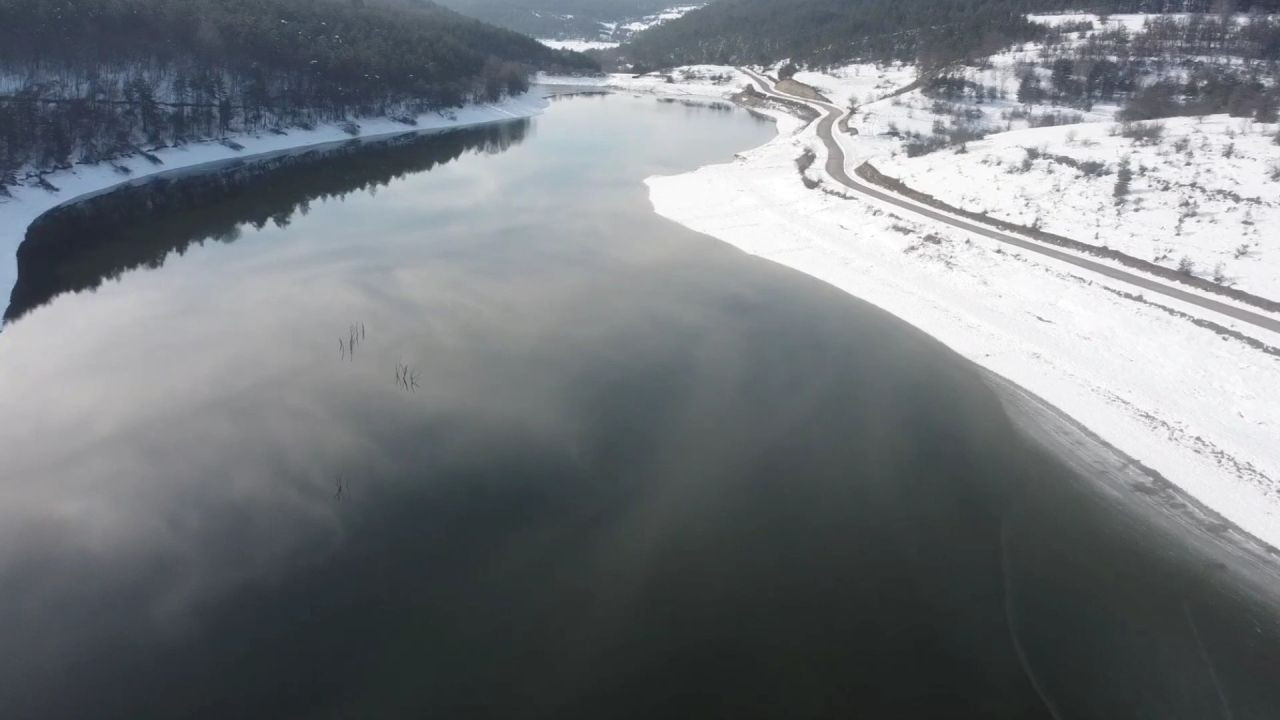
pixel 173 437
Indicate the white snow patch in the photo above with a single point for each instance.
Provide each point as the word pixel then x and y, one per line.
pixel 578 45
pixel 649 21
pixel 1204 193
pixel 858 82
pixel 699 81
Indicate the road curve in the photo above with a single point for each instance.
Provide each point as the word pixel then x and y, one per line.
pixel 836 169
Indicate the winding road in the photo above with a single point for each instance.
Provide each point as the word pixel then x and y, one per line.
pixel 835 167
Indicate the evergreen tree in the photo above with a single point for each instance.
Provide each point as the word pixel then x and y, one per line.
pixel 1029 90
pixel 1124 178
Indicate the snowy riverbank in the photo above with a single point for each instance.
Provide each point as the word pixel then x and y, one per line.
pixel 1201 409
pixel 28 202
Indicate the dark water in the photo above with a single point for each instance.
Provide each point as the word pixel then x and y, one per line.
pixel 465 430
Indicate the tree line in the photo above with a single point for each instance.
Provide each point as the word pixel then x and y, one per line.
pixel 931 33
pixel 1201 64
pixel 588 19
pixel 88 80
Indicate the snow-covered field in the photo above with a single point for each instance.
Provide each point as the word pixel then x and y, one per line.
pixel 860 83
pixel 1207 195
pixel 28 202
pixel 715 82
pixel 1198 407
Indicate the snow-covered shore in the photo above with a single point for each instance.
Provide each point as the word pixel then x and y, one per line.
pixel 1201 409
pixel 707 82
pixel 28 202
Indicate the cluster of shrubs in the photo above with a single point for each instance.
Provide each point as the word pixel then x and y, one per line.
pixel 1143 133
pixel 1086 168
pixel 803 163
pixel 953 135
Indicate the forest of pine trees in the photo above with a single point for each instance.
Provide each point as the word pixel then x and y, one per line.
pixel 88 80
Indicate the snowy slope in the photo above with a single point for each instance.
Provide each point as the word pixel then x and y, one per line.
pixel 1208 193
pixel 613 34
pixel 699 81
pixel 578 45
pixel 859 82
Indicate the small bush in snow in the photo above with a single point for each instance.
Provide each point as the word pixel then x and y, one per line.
pixel 805 161
pixel 1093 168
pixel 350 128
pixel 1124 177
pixel 1143 133
pixel 1054 119
pixel 1186 265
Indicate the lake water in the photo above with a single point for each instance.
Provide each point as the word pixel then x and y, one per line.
pixel 464 429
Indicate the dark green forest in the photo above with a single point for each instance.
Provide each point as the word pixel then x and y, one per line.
pixel 88 80
pixel 931 32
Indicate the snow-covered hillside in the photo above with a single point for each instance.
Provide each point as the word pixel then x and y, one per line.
pixel 1204 197
pixel 613 34
pixel 1203 192
pixel 579 45
pixel 716 82
pixel 648 21
pixel 858 82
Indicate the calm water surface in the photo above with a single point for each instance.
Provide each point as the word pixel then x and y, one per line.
pixel 465 430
